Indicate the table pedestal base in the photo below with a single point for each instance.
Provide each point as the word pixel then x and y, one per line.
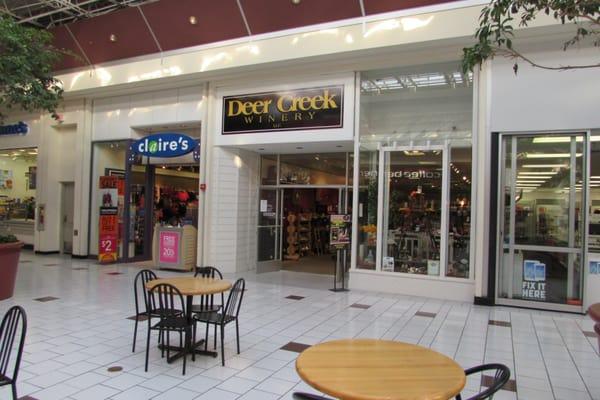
pixel 180 351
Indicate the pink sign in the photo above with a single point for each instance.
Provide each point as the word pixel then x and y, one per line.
pixel 168 247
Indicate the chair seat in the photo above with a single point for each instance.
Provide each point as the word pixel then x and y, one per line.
pixel 213 318
pixel 4 380
pixel 172 323
pixel 156 313
pixel 202 308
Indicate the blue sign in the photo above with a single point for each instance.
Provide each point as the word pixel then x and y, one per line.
pixel 166 144
pixel 20 128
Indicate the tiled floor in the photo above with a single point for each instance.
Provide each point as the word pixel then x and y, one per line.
pixel 74 339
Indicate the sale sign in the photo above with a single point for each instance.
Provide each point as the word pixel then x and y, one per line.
pixel 108 234
pixel 169 247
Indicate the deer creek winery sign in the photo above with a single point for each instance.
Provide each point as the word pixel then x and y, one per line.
pixel 313 108
pixel 167 144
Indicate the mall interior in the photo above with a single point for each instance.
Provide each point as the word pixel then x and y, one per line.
pixel 293 199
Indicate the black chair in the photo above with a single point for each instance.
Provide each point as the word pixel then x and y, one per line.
pixel 14 319
pixel 228 314
pixel 501 376
pixel 172 318
pixel 207 302
pixel 308 396
pixel 141 310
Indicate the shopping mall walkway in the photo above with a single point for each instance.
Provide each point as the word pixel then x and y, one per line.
pixel 79 328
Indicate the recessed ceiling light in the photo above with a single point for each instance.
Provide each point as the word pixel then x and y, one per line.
pixel 296 2
pixel 193 20
pixel 112 37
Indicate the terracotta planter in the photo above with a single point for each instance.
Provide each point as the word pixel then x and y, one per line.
pixel 9 262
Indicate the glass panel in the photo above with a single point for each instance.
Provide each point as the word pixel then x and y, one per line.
pixel 267 215
pixel 507 185
pixel 137 211
pixel 412 211
pixel 268 235
pixel 267 243
pixel 268 170
pixel 594 227
pixel 459 238
pixel 367 209
pixel 548 184
pixel 313 169
pixel 108 160
pixel 542 276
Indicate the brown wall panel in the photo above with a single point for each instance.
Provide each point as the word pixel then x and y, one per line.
pixel 382 6
pixel 64 41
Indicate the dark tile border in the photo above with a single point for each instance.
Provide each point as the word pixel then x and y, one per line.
pixel 488 381
pixel 361 306
pixel 80 269
pixel 25 262
pixel 500 323
pixel 115 368
pixel 114 273
pixel 295 347
pixel 294 297
pixel 590 334
pixel 425 314
pixel 50 265
pixel 46 299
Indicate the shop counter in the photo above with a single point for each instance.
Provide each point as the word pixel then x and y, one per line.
pixel 175 247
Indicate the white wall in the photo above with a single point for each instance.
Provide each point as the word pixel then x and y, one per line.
pixel 536 99
pixel 114 117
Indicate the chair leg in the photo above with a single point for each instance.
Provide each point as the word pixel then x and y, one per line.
pixel 135 333
pixel 237 335
pixel 222 344
pixel 168 344
pixel 193 340
pixel 206 338
pixel 215 342
pixel 186 347
pixel 148 348
pixel 14 390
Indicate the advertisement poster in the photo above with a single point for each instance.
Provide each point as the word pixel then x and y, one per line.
pixel 311 108
pixel 339 231
pixel 169 247
pixel 534 280
pixel 108 234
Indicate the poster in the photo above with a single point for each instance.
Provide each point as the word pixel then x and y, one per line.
pixel 108 234
pixel 388 264
pixel 169 247
pixel 534 280
pixel 339 231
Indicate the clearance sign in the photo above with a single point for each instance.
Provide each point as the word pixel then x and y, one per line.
pixel 300 109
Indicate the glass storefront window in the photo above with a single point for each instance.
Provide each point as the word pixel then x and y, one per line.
pixel 414 115
pixel 459 228
pixel 367 208
pixel 594 222
pixel 313 169
pixel 268 170
pixel 18 184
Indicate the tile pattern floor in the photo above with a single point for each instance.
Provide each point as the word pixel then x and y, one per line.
pixel 73 341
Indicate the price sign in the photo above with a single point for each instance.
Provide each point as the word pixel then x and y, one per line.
pixel 107 250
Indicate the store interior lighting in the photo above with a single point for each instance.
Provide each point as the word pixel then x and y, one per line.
pixel 550 155
pixel 414 81
pixel 563 139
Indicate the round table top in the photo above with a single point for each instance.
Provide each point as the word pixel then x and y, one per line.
pixel 367 369
pixel 191 286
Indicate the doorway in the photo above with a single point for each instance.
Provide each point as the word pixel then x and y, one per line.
pixel 67 196
pixel 541 226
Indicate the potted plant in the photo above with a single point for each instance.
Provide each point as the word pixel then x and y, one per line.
pixel 10 249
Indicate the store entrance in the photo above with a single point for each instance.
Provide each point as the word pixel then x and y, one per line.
pixel 541 231
pixel 159 195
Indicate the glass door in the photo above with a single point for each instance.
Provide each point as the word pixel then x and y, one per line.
pixel 269 225
pixel 541 221
pixel 414 192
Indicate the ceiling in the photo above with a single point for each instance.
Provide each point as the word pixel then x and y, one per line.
pixel 99 31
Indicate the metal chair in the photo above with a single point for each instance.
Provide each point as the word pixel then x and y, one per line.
pixel 228 314
pixel 501 376
pixel 141 310
pixel 308 396
pixel 171 311
pixel 207 303
pixel 14 319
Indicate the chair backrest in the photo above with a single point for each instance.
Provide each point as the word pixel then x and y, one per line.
pixel 139 285
pixel 501 376
pixel 208 272
pixel 169 300
pixel 234 302
pixel 14 324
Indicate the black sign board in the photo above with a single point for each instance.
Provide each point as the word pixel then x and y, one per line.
pixel 313 108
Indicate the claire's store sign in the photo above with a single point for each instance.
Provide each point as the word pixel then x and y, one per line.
pixel 19 128
pixel 168 144
pixel 312 108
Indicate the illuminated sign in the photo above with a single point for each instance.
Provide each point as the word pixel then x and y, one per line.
pixel 300 109
pixel 165 145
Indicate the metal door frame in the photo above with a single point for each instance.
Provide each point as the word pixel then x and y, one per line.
pixel 501 210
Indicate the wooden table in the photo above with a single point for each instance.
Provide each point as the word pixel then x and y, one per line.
pixel 367 369
pixel 190 286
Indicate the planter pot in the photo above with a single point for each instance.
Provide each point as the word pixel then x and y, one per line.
pixel 9 262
